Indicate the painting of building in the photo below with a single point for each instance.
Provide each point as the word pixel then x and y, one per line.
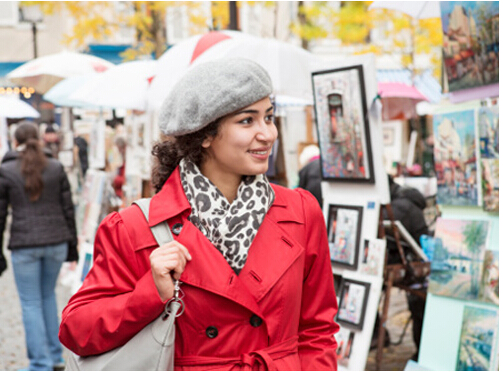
pixel 470 43
pixel 456 267
pixel 477 343
pixel 455 158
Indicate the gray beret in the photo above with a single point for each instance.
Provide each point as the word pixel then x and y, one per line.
pixel 210 91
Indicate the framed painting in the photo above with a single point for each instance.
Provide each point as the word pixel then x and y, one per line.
pixel 352 303
pixel 345 340
pixel 344 230
pixel 342 124
pixel 388 136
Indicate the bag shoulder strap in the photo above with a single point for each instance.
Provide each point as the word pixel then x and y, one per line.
pixel 161 231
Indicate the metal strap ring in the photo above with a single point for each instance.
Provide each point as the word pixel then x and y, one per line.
pixel 180 310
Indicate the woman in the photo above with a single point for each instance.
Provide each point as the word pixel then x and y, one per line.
pixel 42 229
pixel 253 258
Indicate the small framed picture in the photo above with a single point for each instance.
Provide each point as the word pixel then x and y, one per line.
pixel 388 136
pixel 343 125
pixel 344 229
pixel 352 303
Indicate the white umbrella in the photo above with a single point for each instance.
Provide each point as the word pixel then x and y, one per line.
pixel 288 65
pixel 416 9
pixel 44 72
pixel 61 92
pixel 15 108
pixel 122 86
pixel 182 56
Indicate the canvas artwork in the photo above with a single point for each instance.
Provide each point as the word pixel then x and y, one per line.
pixel 456 267
pixel 342 123
pixel 477 343
pixel 373 256
pixel 97 145
pixel 489 152
pixel 344 228
pixel 471 43
pixel 353 303
pixel 345 340
pixel 490 184
pixel 489 132
pixel 489 287
pixel 455 158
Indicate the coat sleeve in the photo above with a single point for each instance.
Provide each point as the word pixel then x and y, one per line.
pixel 116 300
pixel 317 328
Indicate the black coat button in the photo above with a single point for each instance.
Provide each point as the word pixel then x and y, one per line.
pixel 177 228
pixel 255 321
pixel 211 332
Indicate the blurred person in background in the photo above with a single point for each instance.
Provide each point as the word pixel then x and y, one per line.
pixel 310 172
pixel 42 237
pixel 407 205
pixel 120 177
pixel 51 140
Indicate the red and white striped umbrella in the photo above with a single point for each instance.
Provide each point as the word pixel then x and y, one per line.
pixel 288 65
pixel 44 72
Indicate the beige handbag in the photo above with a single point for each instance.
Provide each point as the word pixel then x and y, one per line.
pixel 151 349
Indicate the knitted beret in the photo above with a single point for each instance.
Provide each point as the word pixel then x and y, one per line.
pixel 210 91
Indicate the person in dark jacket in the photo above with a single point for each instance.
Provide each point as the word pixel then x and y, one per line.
pixel 407 205
pixel 310 172
pixel 42 237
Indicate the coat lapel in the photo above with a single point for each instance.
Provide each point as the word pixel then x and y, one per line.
pixel 273 250
pixel 209 270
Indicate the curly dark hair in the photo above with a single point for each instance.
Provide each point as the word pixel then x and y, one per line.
pixel 167 154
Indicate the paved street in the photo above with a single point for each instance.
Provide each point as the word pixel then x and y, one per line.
pixel 13 350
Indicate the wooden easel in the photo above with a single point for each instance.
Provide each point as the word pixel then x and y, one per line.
pixel 393 276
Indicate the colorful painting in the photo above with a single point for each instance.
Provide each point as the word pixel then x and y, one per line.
pixel 456 267
pixel 490 184
pixel 477 343
pixel 471 43
pixel 373 256
pixel 352 303
pixel 345 339
pixel 489 287
pixel 489 132
pixel 343 127
pixel 489 153
pixel 344 228
pixel 455 158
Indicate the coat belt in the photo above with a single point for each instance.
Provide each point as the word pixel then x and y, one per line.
pixel 247 361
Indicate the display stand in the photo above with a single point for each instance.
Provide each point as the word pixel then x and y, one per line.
pixel 395 274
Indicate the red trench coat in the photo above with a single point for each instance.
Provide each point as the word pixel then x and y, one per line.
pixel 278 313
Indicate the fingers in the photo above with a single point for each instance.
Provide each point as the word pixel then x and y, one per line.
pixel 169 260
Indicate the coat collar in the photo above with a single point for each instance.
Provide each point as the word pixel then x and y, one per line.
pixel 171 201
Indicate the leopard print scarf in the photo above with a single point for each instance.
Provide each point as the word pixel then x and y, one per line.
pixel 231 228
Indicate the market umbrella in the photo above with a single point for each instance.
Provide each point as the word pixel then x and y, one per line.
pixel 44 72
pixel 415 9
pixel 15 108
pixel 61 92
pixel 179 58
pixel 122 86
pixel 399 100
pixel 288 65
